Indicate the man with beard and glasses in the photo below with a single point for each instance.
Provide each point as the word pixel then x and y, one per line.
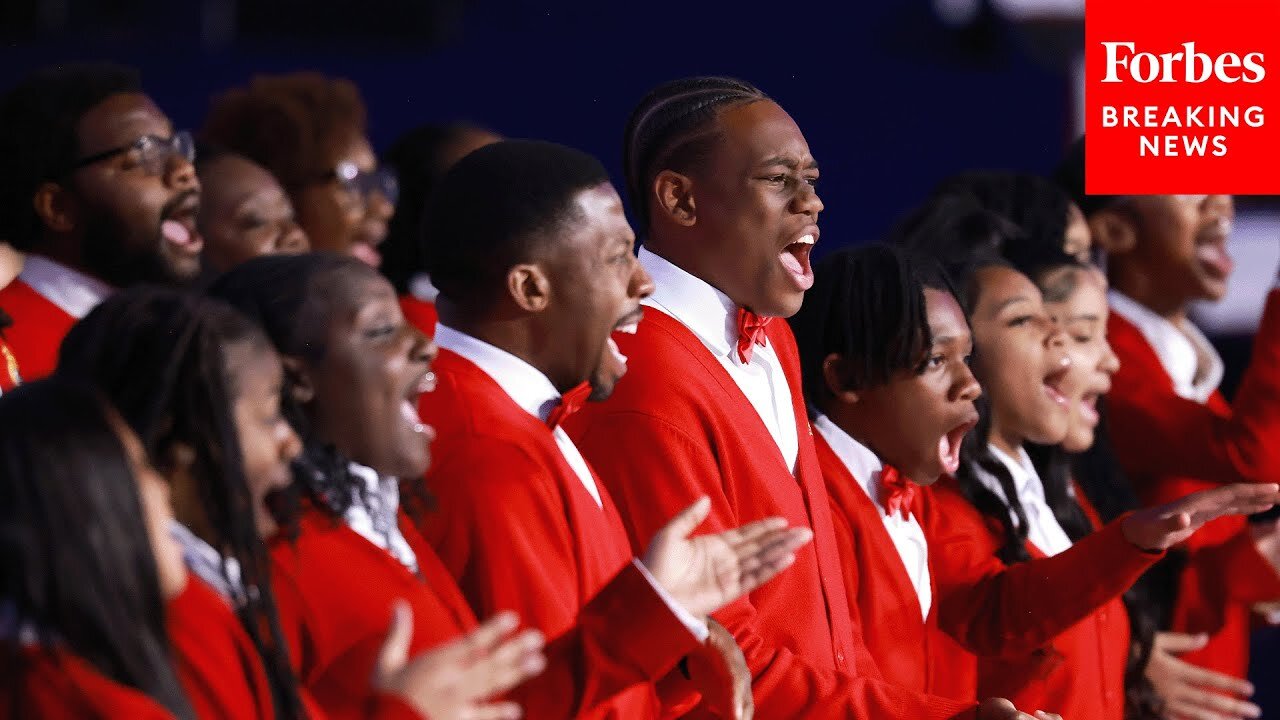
pixel 99 189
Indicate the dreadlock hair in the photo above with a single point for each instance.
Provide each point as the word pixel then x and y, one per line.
pixel 421 157
pixel 867 305
pixel 39 136
pixel 161 357
pixel 674 128
pixel 76 564
pixel 293 299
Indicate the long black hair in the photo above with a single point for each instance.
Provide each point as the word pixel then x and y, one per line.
pixel 293 298
pixel 76 564
pixel 160 356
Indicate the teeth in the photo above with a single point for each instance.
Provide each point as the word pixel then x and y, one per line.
pixel 613 348
pixel 629 329
pixel 806 240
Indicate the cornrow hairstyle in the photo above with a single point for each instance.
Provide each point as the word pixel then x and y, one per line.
pixel 76 565
pixel 160 356
pixel 418 158
pixel 674 128
pixel 293 299
pixel 292 125
pixel 39 136
pixel 495 208
pixel 867 305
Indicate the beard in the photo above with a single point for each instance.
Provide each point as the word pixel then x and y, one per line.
pixel 122 256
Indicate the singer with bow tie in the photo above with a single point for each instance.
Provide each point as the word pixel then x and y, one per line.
pixel 532 284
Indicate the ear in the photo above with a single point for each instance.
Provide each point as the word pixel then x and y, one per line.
pixel 834 375
pixel 297 379
pixel 1113 231
pixel 181 458
pixel 56 207
pixel 674 192
pixel 529 286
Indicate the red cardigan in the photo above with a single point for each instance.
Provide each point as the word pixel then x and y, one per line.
pixel 514 524
pixel 977 599
pixel 420 313
pixel 678 427
pixel 59 686
pixel 37 330
pixel 1171 447
pixel 1080 672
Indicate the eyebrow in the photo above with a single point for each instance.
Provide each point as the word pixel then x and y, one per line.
pixel 789 162
pixel 1012 301
pixel 1085 316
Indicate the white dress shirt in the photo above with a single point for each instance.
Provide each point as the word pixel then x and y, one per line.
pixel 907 535
pixel 72 291
pixel 374 514
pixel 1043 529
pixel 220 573
pixel 713 318
pixel 534 392
pixel 1179 349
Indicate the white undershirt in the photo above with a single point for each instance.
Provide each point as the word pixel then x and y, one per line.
pixel 713 318
pixel 534 392
pixel 907 535
pixel 1043 529
pixel 72 291
pixel 1179 349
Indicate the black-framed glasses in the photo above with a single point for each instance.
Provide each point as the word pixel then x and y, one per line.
pixel 153 152
pixel 358 182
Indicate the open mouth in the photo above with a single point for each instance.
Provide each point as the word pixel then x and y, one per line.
pixel 178 226
pixel 795 259
pixel 366 253
pixel 949 445
pixel 1053 384
pixel 409 406
pixel 1211 253
pixel 1089 408
pixel 629 325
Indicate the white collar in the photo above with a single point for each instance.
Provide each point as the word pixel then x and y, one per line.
pixel 1179 349
pixel 421 287
pixel 709 313
pixel 221 574
pixel 524 383
pixel 1026 481
pixel 71 290
pixel 861 462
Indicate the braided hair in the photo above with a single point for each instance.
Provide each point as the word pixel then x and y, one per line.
pixel 160 356
pixel 674 128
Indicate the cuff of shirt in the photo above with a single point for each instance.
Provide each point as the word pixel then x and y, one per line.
pixel 697 628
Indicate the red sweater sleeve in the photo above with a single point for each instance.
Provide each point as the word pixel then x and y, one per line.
pixel 1010 610
pixel 784 684
pixel 1158 433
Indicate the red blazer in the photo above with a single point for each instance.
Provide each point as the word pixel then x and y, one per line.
pixel 678 427
pixel 420 313
pixel 221 671
pixel 978 600
pixel 1170 447
pixel 37 330
pixel 1080 672
pixel 59 686
pixel 514 524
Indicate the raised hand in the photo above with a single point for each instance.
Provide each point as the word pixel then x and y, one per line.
pixel 706 573
pixel 719 671
pixel 1162 527
pixel 456 680
pixel 1188 691
pixel 1001 709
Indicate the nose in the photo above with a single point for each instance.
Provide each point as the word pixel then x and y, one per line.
pixel 641 285
pixel 1219 204
pixel 289 443
pixel 966 388
pixel 1110 363
pixel 294 239
pixel 378 206
pixel 424 349
pixel 807 202
pixel 180 174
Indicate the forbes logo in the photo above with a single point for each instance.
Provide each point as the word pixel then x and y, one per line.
pixel 1174 67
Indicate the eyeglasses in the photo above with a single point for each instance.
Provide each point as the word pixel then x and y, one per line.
pixel 358 182
pixel 153 152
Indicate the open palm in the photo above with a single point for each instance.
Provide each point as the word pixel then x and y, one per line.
pixel 706 573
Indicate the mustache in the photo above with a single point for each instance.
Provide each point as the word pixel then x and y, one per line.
pixel 171 207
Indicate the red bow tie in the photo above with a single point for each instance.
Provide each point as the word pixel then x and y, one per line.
pixel 896 492
pixel 570 403
pixel 750 332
